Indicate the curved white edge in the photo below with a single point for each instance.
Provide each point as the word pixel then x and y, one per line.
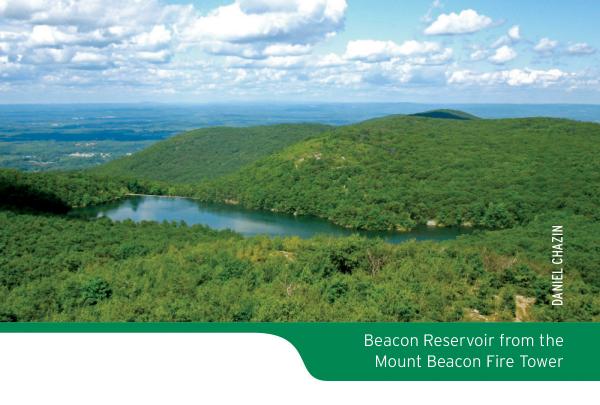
pixel 218 368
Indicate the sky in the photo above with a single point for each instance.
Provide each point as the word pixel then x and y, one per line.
pixel 442 51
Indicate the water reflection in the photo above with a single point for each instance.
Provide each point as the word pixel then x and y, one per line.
pixel 245 222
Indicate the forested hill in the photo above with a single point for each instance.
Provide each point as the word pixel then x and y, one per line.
pixel 447 114
pixel 393 172
pixel 386 173
pixel 207 153
pixel 399 171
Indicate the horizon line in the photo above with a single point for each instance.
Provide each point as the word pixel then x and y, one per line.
pixel 275 102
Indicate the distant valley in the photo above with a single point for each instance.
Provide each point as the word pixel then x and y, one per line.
pixel 49 137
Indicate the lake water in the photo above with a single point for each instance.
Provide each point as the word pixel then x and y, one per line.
pixel 243 221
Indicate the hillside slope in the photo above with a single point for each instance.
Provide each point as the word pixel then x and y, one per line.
pixel 207 153
pixel 57 191
pixel 398 171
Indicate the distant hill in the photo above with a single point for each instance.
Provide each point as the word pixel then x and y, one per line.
pixel 447 114
pixel 207 153
pixel 394 172
pixel 399 171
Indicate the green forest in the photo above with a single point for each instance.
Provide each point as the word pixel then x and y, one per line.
pixel 396 172
pixel 510 179
pixel 208 153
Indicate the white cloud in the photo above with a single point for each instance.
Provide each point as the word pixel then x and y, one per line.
pixel 434 59
pixel 581 48
pixel 545 45
pixel 88 57
pixel 248 51
pixel 89 14
pixel 466 22
pixel 367 50
pixel 512 36
pixel 41 56
pixel 503 55
pixel 45 35
pixel 331 60
pixel 267 6
pixel 272 62
pixel 158 37
pixel 90 34
pixel 286 50
pixel 245 48
pixel 130 36
pixel 153 56
pixel 503 40
pixel 478 54
pixel 513 77
pixel 340 80
pixel 428 16
pixel 248 27
pixel 417 48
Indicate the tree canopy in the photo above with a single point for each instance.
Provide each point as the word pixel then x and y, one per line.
pixel 510 179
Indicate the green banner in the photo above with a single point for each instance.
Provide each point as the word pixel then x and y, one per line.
pixel 406 351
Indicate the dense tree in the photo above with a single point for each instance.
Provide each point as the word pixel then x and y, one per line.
pixel 207 153
pixel 56 191
pixel 395 172
pixel 56 268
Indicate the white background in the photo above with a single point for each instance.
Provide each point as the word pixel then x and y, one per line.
pixel 219 369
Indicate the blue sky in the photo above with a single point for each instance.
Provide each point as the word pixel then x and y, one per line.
pixel 292 50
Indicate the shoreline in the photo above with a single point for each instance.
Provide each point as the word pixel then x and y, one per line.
pixel 470 228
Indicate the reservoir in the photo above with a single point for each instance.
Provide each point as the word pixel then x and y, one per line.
pixel 244 221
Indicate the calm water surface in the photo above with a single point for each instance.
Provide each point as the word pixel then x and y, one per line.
pixel 243 221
